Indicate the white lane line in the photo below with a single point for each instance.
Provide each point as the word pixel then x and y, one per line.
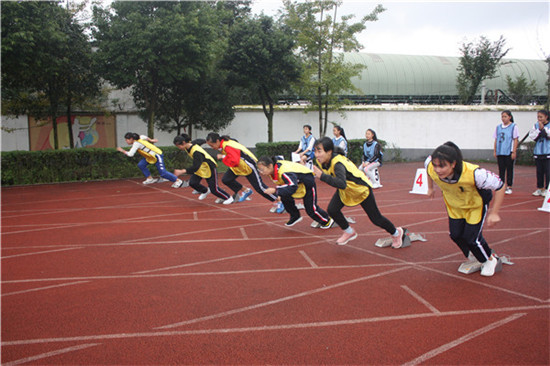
pixel 50 354
pixel 432 308
pixel 225 258
pixel 332 323
pixel 480 283
pixel 42 252
pixel 282 299
pixel 495 243
pixel 308 259
pixel 243 232
pixel 44 288
pixel 463 339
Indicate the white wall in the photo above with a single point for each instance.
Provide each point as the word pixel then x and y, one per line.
pixel 15 134
pixel 405 127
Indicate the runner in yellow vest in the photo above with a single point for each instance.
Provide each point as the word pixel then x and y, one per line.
pixel 143 145
pixel 203 166
pixel 294 180
pixel 241 162
pixel 354 189
pixel 467 191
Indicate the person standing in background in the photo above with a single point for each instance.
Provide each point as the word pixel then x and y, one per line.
pixel 505 149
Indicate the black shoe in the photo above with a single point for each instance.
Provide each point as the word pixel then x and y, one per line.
pixel 293 221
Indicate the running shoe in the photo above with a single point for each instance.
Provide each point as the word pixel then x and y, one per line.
pixel 345 238
pixel 280 208
pixel 328 225
pixel 203 195
pixel 150 180
pixel 293 221
pixel 178 183
pixel 494 264
pixel 229 201
pixel 397 241
pixel 245 195
pixel 508 190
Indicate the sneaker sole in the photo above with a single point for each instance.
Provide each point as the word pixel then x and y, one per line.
pixel 294 223
pixel 347 241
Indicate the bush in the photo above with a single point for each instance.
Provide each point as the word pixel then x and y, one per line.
pixel 525 153
pixel 52 166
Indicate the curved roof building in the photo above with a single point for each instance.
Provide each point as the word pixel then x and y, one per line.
pixel 431 79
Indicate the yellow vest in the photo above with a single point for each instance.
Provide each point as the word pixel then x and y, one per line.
pixel 242 168
pixel 146 152
pixel 462 198
pixel 285 166
pixel 355 192
pixel 204 170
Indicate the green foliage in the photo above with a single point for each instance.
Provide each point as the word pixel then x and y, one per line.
pixel 320 34
pixel 260 58
pixel 478 62
pixel 46 61
pixel 521 90
pixel 152 45
pixel 525 153
pixel 53 166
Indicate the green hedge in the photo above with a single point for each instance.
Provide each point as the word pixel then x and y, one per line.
pixel 525 154
pixel 52 166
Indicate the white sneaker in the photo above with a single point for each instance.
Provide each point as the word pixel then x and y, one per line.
pixel 494 264
pixel 508 190
pixel 219 200
pixel 195 192
pixel 161 180
pixel 203 195
pixel 315 224
pixel 539 192
pixel 229 201
pixel 150 180
pixel 177 183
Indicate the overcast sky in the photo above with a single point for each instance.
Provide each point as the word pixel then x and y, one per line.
pixel 439 28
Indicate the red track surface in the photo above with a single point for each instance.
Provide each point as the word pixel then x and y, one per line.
pixel 119 273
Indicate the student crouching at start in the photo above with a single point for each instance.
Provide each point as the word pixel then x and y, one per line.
pixel 353 188
pixel 144 146
pixel 467 191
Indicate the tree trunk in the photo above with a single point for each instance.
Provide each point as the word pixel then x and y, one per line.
pixel 69 122
pixel 267 101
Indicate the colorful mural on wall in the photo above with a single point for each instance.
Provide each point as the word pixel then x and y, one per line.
pixel 88 131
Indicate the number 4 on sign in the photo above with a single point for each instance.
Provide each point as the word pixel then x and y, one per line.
pixel 546 203
pixel 418 186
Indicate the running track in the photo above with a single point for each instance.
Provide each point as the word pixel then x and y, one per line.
pixel 113 272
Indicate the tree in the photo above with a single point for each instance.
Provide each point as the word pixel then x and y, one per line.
pixel 259 57
pixel 46 61
pixel 520 90
pixel 478 62
pixel 149 45
pixel 319 36
pixel 202 104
